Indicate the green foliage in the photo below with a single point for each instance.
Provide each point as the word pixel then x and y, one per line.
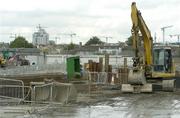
pixel 94 40
pixel 129 41
pixel 20 42
pixel 71 46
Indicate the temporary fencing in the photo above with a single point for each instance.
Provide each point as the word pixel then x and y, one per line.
pixel 14 91
pixel 53 92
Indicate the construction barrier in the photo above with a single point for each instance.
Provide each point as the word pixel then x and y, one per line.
pixel 53 92
pixel 13 91
pixel 11 88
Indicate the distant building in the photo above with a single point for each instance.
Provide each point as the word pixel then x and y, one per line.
pixel 41 37
pixel 113 49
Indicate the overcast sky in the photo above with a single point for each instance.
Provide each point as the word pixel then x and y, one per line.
pixel 86 18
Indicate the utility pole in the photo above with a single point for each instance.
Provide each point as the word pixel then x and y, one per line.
pixel 163 30
pixel 176 35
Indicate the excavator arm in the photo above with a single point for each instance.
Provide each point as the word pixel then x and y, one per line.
pixel 139 25
pixel 137 75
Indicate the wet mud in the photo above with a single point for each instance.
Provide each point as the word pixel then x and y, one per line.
pixel 154 105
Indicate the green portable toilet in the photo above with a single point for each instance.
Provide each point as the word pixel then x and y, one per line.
pixel 73 66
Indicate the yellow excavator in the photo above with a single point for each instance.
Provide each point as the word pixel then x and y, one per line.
pixel 2 62
pixel 153 67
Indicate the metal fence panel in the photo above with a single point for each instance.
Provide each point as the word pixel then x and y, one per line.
pixel 11 88
pixel 53 92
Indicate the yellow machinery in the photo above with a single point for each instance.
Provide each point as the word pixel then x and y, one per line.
pixel 151 67
pixel 2 62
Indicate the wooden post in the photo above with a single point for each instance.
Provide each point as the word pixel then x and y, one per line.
pixel 100 64
pixel 125 71
pixel 106 62
pixel 90 65
pixel 97 66
pixel 94 66
pixel 125 62
pixel 109 73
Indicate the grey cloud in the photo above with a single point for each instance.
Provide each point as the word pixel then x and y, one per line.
pixel 54 19
pixel 116 22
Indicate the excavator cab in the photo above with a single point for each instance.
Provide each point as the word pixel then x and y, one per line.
pixel 162 60
pixel 163 65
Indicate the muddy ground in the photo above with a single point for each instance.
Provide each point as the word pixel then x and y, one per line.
pixel 154 105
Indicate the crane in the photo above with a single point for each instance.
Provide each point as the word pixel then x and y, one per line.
pixel 39 27
pixel 13 36
pixel 56 38
pixel 163 30
pixel 69 34
pixel 151 67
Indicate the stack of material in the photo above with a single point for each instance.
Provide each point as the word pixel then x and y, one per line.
pixel 93 66
pixel 97 67
pixel 123 75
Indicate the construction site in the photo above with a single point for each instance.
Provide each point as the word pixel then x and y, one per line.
pixel 137 81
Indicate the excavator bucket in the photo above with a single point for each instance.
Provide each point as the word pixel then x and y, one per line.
pixel 136 77
pixel 136 83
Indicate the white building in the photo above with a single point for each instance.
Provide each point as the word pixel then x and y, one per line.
pixel 113 49
pixel 41 37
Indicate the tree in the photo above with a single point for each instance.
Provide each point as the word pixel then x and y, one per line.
pixel 71 46
pixel 129 41
pixel 20 42
pixel 94 40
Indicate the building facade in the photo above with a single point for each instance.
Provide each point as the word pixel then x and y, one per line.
pixel 41 37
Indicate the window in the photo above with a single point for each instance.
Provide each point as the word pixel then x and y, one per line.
pixel 158 55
